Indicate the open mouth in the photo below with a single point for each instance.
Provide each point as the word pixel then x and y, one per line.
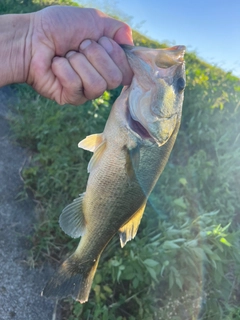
pixel 137 127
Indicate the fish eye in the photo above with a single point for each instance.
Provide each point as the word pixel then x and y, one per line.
pixel 180 84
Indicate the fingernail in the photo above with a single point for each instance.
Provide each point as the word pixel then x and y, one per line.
pixel 85 44
pixel 106 44
pixel 69 54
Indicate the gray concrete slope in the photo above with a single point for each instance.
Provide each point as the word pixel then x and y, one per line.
pixel 20 286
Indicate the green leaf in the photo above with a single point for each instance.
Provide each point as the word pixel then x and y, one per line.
pixel 200 254
pixel 224 241
pixel 183 181
pixel 165 264
pixel 135 283
pixel 171 280
pixel 170 245
pixel 129 276
pixel 119 275
pixel 98 278
pixel 116 263
pixel 107 289
pixel 180 202
pixel 179 282
pixel 226 227
pixel 192 243
pixel 152 273
pixel 150 263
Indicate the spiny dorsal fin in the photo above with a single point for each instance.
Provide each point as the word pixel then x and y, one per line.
pixel 92 142
pixel 96 157
pixel 129 230
pixel 72 219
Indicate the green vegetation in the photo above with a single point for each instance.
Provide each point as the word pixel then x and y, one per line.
pixel 185 261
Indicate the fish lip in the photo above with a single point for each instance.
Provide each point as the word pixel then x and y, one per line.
pixel 162 57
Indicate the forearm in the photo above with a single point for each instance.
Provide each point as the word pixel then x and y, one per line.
pixel 15 48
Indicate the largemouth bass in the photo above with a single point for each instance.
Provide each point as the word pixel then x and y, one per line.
pixel 128 159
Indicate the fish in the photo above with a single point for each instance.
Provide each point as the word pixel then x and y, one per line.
pixel 128 158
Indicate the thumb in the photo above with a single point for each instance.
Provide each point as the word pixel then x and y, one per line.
pixel 117 30
pixel 124 35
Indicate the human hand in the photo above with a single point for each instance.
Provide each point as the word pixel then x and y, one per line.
pixel 75 54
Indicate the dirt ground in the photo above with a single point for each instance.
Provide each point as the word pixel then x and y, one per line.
pixel 20 286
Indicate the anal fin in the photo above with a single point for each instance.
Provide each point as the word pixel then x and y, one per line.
pixel 129 230
pixel 72 219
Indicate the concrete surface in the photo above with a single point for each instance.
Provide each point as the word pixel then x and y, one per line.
pixel 20 286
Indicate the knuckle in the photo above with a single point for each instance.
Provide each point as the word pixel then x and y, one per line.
pixel 96 89
pixel 74 98
pixel 115 80
pixel 92 50
pixel 72 56
pixel 100 89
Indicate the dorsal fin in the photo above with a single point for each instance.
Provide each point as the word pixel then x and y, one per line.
pixel 72 219
pixel 129 230
pixel 92 142
pixel 96 156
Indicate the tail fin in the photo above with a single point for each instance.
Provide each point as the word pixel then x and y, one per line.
pixel 74 278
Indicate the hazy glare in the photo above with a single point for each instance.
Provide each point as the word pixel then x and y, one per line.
pixel 209 27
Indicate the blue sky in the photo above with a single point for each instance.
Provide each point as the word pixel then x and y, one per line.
pixel 209 27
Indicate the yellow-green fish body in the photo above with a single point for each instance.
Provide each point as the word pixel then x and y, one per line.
pixel 128 159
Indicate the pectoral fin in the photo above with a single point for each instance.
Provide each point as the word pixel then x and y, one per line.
pixel 132 161
pixel 92 142
pixel 129 230
pixel 72 219
pixel 96 156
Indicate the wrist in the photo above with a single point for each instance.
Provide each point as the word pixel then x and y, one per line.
pixel 15 48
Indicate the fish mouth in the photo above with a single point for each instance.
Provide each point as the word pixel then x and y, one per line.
pixel 138 128
pixel 144 134
pixel 162 58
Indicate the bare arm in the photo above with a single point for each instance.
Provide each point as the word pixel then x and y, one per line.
pixel 67 54
pixel 14 38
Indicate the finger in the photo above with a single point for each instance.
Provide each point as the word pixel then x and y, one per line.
pixel 117 30
pixel 102 62
pixel 124 35
pixel 93 83
pixel 69 83
pixel 119 57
